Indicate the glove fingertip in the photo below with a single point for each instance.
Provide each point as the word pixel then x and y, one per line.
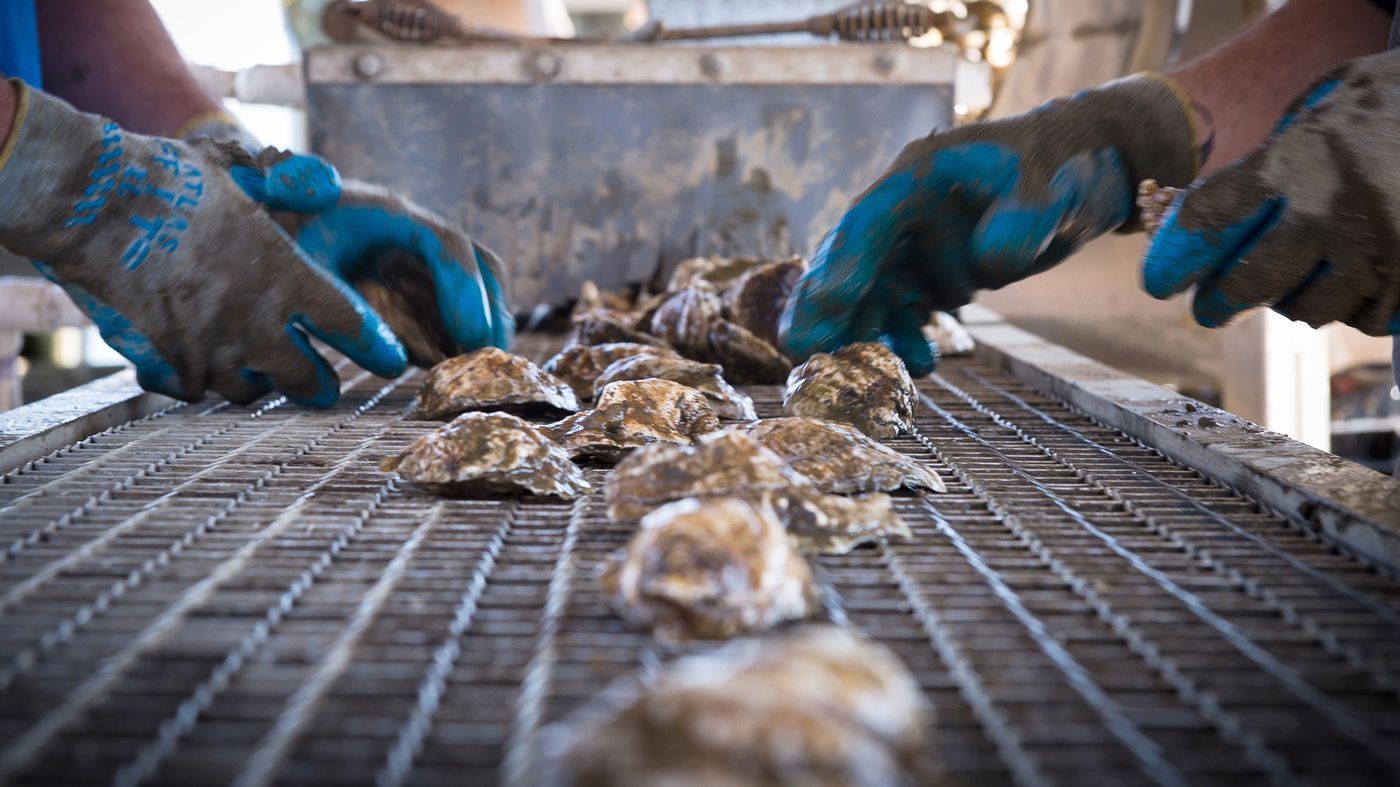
pixel 374 347
pixel 327 382
pixel 905 337
pixel 301 183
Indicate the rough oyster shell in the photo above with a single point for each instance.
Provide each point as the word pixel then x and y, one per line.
pixel 732 464
pixel 634 413
pixel 833 525
pixel 486 454
pixel 756 299
pixel 838 458
pixel 713 273
pixel 398 286
pixel 747 359
pixel 580 364
pixel 490 379
pixel 710 569
pixel 691 321
pixel 817 707
pixel 607 328
pixel 864 384
pixel 683 321
pixel 704 377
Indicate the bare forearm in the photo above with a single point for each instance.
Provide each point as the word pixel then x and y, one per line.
pixel 1242 88
pixel 114 57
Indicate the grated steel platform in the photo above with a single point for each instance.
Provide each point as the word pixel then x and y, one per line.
pixel 214 594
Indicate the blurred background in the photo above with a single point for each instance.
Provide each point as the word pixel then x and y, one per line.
pixel 1330 388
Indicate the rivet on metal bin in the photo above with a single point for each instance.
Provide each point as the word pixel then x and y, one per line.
pixel 369 65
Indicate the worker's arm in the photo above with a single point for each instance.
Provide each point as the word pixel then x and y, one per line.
pixel 165 246
pixel 984 205
pixel 114 58
pixel 190 317
pixel 1242 87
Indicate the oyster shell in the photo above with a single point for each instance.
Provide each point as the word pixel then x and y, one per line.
pixel 485 454
pixel 864 385
pixel 732 464
pixel 712 273
pixel 839 458
pixel 704 377
pixel 948 336
pixel 747 359
pixel 756 299
pixel 820 707
pixel 490 379
pixel 593 299
pixel 607 328
pixel 683 320
pixel 691 321
pixel 580 364
pixel 634 413
pixel 710 569
pixel 398 286
pixel 832 525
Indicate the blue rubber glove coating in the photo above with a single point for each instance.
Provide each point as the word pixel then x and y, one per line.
pixel 931 233
pixel 348 241
pixel 981 206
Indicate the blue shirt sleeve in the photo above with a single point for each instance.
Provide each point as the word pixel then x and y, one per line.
pixel 19 41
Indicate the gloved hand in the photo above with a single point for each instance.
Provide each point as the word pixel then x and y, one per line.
pixel 441 292
pixel 983 205
pixel 182 271
pixel 1309 223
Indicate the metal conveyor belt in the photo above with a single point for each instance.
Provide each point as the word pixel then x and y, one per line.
pixel 215 592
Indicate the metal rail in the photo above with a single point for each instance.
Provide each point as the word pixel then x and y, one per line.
pixel 218 594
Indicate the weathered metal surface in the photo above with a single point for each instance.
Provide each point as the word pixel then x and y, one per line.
pixel 615 163
pixel 50 424
pixel 239 593
pixel 1354 506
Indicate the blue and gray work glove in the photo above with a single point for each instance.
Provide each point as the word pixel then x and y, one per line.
pixel 984 205
pixel 168 248
pixel 1309 223
pixel 442 293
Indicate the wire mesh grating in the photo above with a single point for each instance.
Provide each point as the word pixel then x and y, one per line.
pixel 217 593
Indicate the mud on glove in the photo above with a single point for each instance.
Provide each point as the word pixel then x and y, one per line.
pixel 182 271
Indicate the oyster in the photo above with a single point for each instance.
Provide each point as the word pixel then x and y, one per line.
pixel 864 385
pixel 756 299
pixel 634 413
pixel 488 453
pixel 691 321
pixel 710 569
pixel 948 336
pixel 398 286
pixel 838 458
pixel 711 273
pixel 820 706
pixel 580 364
pixel 703 377
pixel 592 299
pixel 683 320
pixel 608 327
pixel 832 525
pixel 747 359
pixel 491 379
pixel 732 464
